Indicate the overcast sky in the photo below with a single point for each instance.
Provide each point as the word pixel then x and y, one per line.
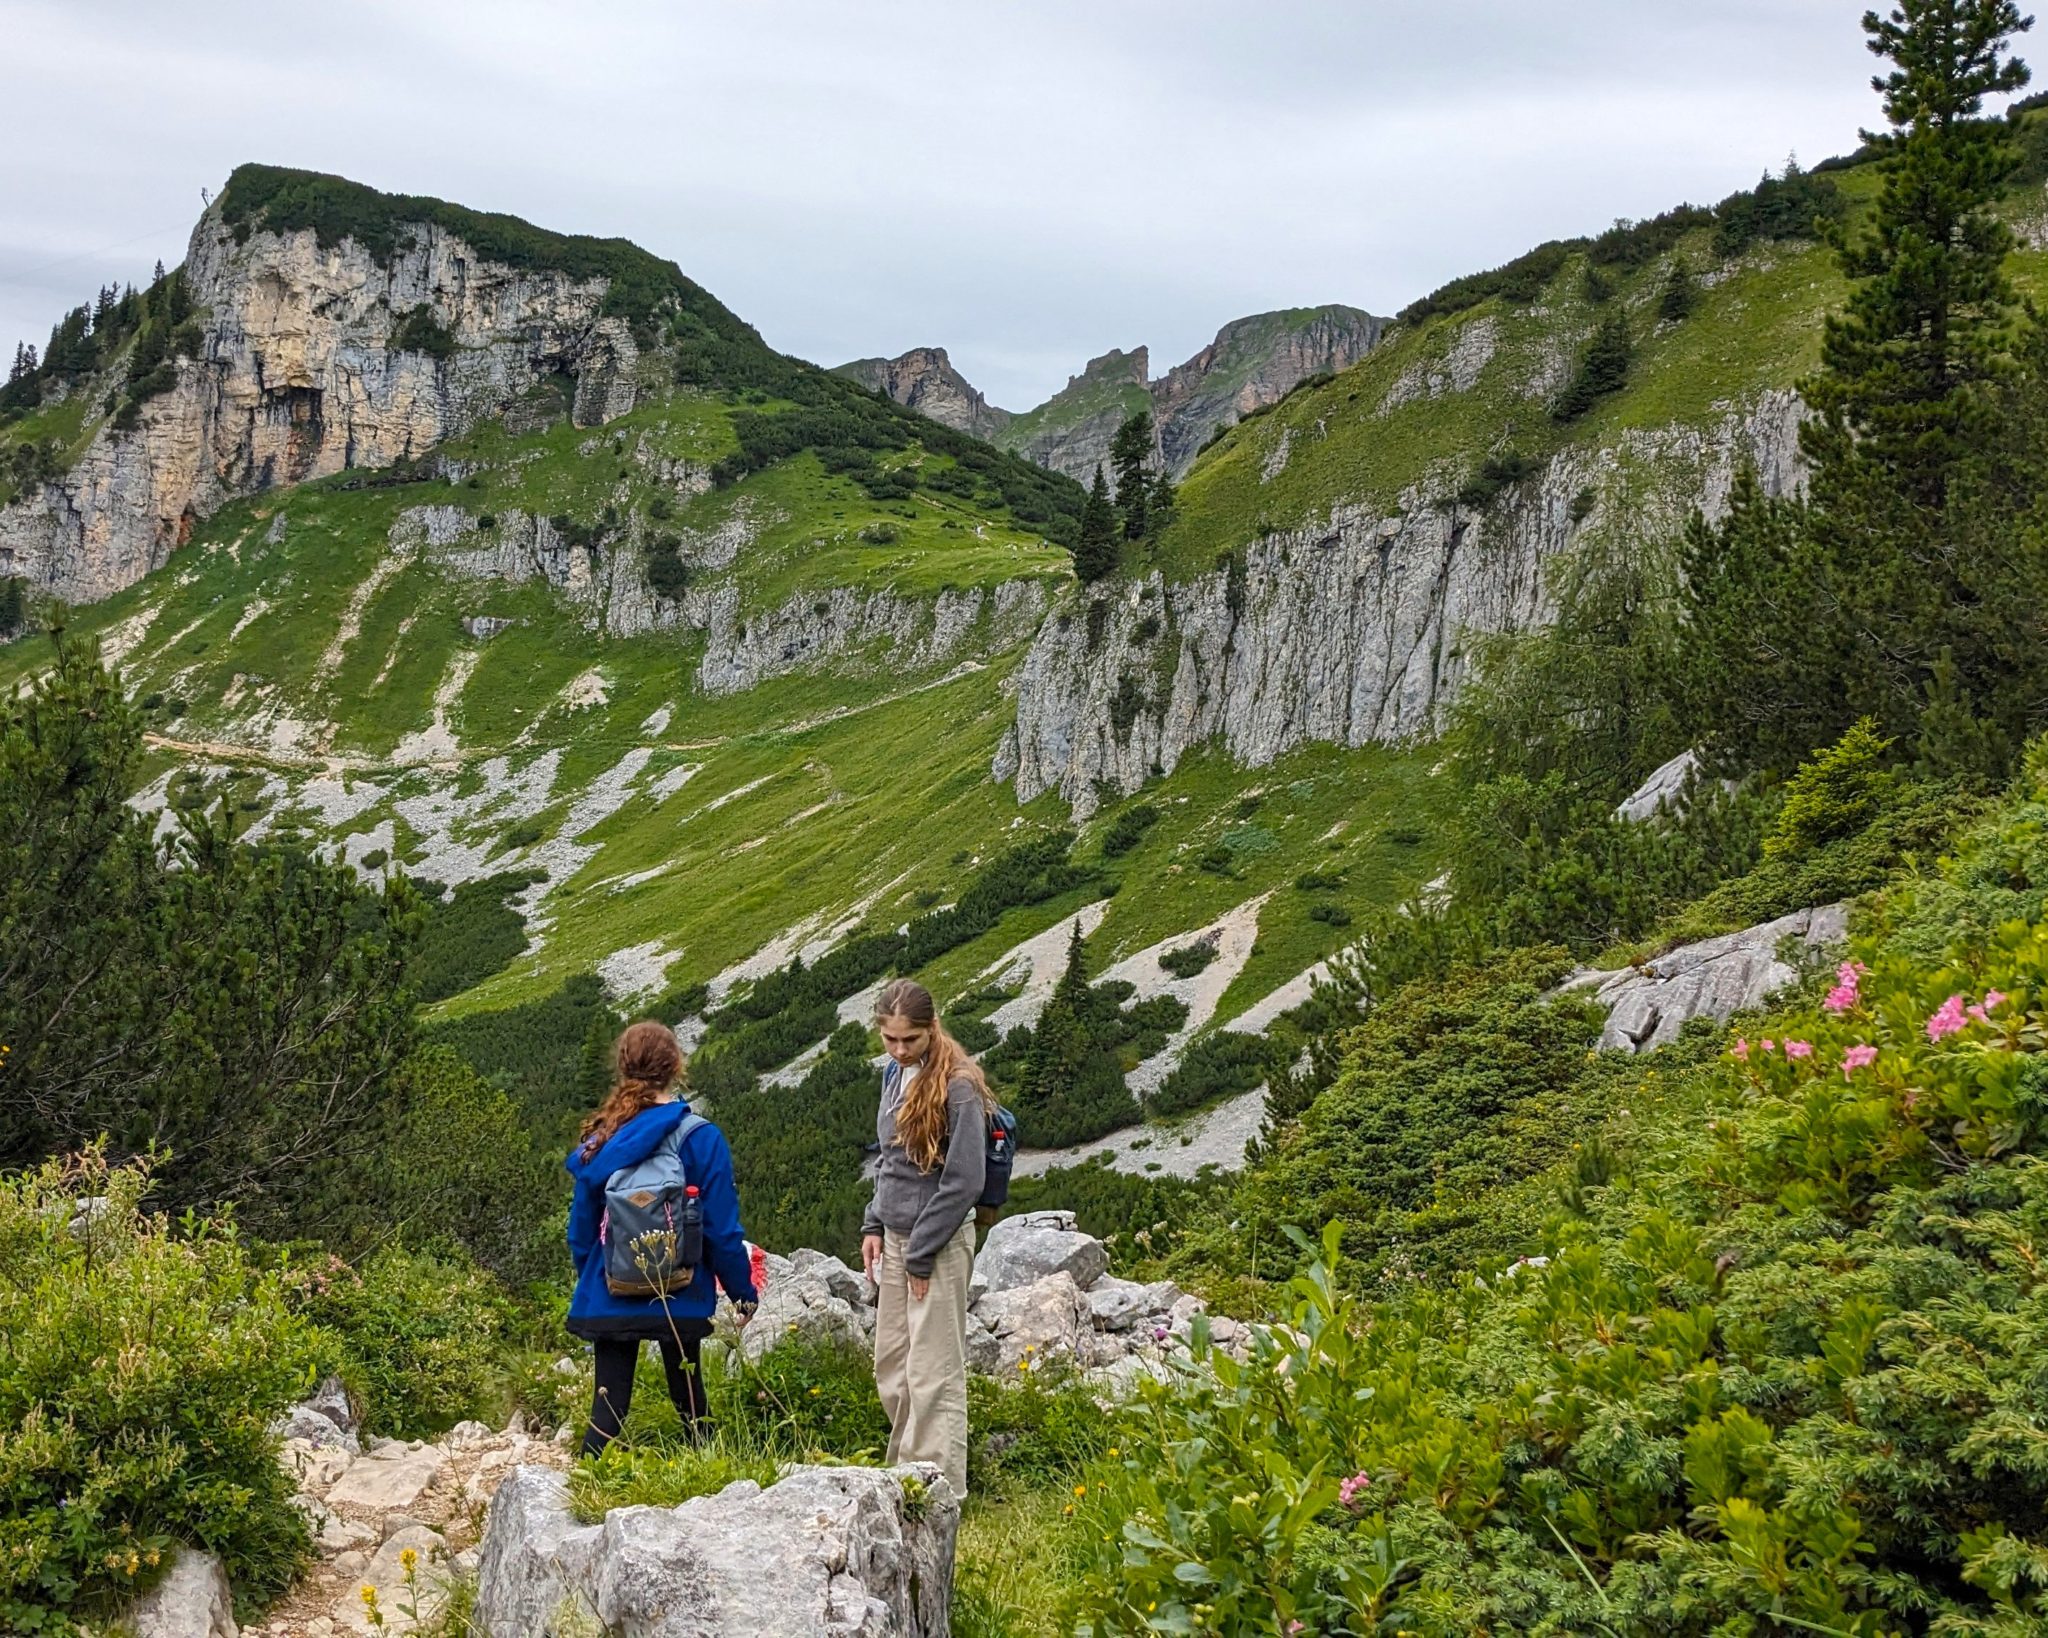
pixel 1027 183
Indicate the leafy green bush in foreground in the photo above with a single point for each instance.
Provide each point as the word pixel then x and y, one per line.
pixel 1787 1379
pixel 141 1363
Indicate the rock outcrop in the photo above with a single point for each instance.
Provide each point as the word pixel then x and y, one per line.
pixel 1254 362
pixel 924 380
pixel 1071 431
pixel 1351 630
pixel 193 1600
pixel 1715 978
pixel 824 1552
pixel 1040 1296
pixel 300 374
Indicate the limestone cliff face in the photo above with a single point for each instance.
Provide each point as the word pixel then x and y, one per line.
pixel 607 585
pixel 924 380
pixel 298 377
pixel 1350 631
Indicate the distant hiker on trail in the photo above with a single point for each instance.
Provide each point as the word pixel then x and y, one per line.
pixel 917 1241
pixel 655 1217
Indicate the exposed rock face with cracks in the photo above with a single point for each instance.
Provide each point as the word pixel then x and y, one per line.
pixel 298 377
pixel 1350 631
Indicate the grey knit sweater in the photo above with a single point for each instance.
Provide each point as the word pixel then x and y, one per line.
pixel 927 1208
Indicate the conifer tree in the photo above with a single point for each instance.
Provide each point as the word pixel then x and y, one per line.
pixel 1897 590
pixel 1095 552
pixel 1603 368
pixel 1681 296
pixel 1130 452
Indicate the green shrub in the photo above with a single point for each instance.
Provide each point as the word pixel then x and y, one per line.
pixel 1030 1431
pixel 141 1363
pixel 455 1168
pixel 1185 960
pixel 1450 1091
pixel 881 534
pixel 471 935
pixel 1335 915
pixel 1217 1066
pixel 1777 1367
pixel 1128 828
pixel 415 1336
pixel 1835 794
pixel 1602 369
pixel 421 331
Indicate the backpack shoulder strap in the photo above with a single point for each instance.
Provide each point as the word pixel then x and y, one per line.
pixel 681 1135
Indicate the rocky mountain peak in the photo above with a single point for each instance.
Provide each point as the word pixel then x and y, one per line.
pixel 923 379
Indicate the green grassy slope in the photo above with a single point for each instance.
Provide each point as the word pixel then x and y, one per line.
pixel 1437 397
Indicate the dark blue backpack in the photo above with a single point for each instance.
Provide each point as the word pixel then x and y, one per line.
pixel 653 1227
pixel 999 1155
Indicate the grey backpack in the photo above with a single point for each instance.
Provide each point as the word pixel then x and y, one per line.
pixel 653 1227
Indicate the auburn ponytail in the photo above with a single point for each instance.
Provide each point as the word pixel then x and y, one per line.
pixel 647 1060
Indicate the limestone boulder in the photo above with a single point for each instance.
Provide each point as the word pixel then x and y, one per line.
pixel 811 1297
pixel 824 1552
pixel 193 1600
pixel 1714 978
pixel 1025 1249
pixel 1042 1322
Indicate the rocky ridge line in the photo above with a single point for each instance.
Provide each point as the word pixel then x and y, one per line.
pixel 1252 362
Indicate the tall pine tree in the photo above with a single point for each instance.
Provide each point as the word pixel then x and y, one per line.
pixel 1908 586
pixel 1130 452
pixel 1096 554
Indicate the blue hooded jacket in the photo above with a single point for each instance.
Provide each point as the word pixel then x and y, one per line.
pixel 707 1163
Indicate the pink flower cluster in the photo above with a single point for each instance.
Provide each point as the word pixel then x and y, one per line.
pixel 1847 977
pixel 1349 1490
pixel 1857 1057
pixel 1951 1017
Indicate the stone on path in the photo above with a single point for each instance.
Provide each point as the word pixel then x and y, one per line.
pixel 388 1480
pixel 825 1552
pixel 192 1601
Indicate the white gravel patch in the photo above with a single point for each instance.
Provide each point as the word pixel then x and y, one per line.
pixel 1258 1017
pixel 735 794
pixel 355 849
pixel 334 801
pixel 253 611
pixel 658 720
pixel 1036 963
pixel 118 641
pixel 1216 1136
pixel 437 814
pixel 565 853
pixel 636 971
pixel 589 689
pixel 1233 934
pixel 437 743
pixel 350 626
pixel 666 784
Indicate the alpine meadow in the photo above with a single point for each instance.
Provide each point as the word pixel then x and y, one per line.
pixel 1497 857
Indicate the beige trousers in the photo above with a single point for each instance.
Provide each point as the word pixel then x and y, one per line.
pixel 921 1356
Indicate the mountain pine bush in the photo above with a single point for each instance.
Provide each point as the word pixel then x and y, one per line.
pixel 1778 1367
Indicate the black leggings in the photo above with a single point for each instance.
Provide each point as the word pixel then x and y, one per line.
pixel 616 1359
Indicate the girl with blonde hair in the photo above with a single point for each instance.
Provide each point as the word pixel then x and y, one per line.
pixel 917 1240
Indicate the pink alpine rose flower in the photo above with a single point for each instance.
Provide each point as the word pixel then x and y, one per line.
pixel 1844 995
pixel 1857 1057
pixel 1741 1047
pixel 1946 1019
pixel 1349 1490
pixel 1799 1049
